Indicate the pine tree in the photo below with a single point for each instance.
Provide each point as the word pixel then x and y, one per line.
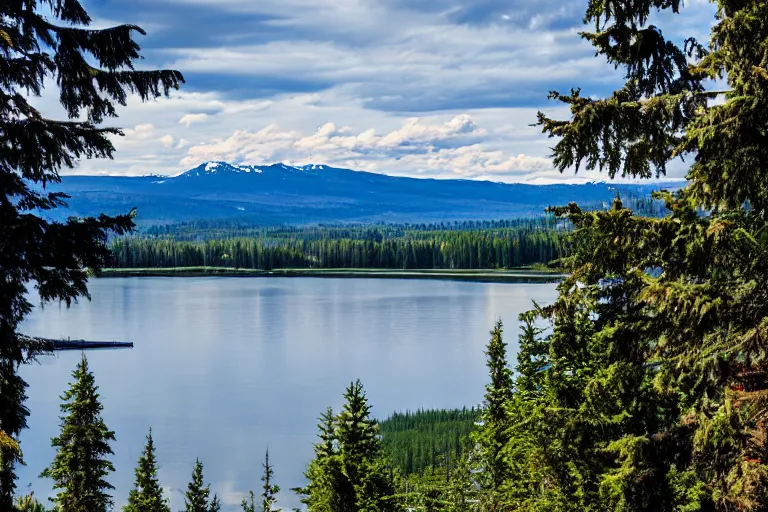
pixel 268 497
pixel 368 485
pixel 147 495
pixel 492 436
pixel 93 69
pixel 197 492
pixel 532 355
pixel 249 504
pixel 80 467
pixel 461 492
pixel 654 393
pixel 349 472
pixel 28 503
pixel 322 492
pixel 215 504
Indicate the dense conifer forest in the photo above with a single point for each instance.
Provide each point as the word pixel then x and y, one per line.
pixel 468 246
pixel 420 441
pixel 498 244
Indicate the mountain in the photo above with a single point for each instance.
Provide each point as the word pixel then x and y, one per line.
pixel 279 193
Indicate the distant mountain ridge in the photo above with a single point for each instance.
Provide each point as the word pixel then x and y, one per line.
pixel 285 194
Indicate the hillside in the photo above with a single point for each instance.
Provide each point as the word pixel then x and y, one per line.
pixel 279 193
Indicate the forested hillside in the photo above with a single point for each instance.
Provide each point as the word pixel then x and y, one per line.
pixel 281 194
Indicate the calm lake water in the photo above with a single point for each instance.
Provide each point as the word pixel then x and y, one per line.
pixel 224 367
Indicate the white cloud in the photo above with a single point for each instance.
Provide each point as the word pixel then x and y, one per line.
pixel 449 148
pixel 140 131
pixel 188 119
pixel 492 144
pixel 440 88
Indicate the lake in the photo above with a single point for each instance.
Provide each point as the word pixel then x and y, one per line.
pixel 225 367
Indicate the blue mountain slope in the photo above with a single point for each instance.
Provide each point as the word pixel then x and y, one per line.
pixel 281 193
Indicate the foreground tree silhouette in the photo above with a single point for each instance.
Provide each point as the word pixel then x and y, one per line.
pixel 48 42
pixel 80 467
pixel 654 393
pixel 147 495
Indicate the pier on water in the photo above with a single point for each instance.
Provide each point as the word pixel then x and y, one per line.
pixel 52 345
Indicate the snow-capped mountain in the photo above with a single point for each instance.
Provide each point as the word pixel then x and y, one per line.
pixel 282 193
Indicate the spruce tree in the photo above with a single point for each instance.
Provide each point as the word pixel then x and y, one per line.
pixel 80 467
pixel 492 436
pixel 654 393
pixel 215 504
pixel 349 472
pixel 249 504
pixel 196 499
pixel 367 485
pixel 147 495
pixel 46 41
pixel 323 490
pixel 28 503
pixel 270 490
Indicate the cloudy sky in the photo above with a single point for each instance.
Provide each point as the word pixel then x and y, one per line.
pixel 426 88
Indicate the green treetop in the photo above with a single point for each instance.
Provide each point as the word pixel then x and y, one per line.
pixel 325 479
pixel 147 495
pixel 215 504
pixel 492 436
pixel 269 496
pixel 349 472
pixel 196 497
pixel 50 42
pixel 80 467
pixel 368 480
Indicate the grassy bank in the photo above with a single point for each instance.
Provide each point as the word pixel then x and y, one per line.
pixel 490 276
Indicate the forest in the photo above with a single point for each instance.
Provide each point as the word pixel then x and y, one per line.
pixel 419 441
pixel 499 245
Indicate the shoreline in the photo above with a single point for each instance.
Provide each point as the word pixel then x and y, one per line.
pixel 486 276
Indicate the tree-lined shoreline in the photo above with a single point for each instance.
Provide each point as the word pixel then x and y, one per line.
pixel 484 276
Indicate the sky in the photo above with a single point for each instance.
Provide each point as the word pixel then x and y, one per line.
pixel 422 88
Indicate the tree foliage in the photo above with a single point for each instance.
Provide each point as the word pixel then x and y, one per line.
pixel 648 389
pixel 502 244
pixel 147 495
pixel 492 438
pixel 349 471
pixel 80 467
pixel 416 442
pixel 270 489
pixel 46 42
pixel 196 497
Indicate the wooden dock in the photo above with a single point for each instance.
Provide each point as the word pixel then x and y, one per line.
pixel 69 344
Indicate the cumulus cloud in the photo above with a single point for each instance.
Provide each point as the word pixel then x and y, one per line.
pixel 441 88
pixel 166 140
pixel 188 119
pixel 140 131
pixel 445 149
